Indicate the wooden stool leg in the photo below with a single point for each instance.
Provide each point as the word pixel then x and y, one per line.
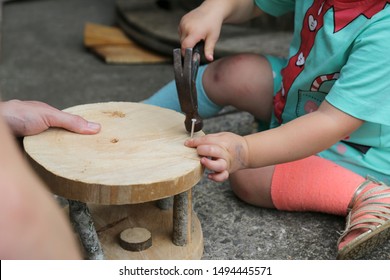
pixel 82 222
pixel 182 218
pixel 165 203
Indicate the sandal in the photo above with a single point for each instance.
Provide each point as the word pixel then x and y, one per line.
pixel 377 226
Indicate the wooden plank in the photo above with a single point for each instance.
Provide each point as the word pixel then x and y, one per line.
pixel 138 155
pixel 114 47
pixel 101 35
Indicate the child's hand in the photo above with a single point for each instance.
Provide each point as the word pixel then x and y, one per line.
pixel 32 117
pixel 203 23
pixel 222 153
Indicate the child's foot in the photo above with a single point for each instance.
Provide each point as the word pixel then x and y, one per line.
pixel 368 220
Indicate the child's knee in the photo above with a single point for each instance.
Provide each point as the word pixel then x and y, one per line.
pixel 240 191
pixel 252 187
pixel 241 188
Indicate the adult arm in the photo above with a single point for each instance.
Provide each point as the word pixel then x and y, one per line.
pixel 32 224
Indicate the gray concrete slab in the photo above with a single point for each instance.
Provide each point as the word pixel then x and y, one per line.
pixel 43 58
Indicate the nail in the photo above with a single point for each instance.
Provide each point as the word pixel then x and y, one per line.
pixel 192 127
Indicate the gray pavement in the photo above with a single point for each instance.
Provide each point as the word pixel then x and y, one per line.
pixel 43 58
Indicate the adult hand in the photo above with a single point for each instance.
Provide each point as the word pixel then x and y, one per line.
pixel 33 117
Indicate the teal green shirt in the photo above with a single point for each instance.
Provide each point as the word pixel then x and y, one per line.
pixel 340 52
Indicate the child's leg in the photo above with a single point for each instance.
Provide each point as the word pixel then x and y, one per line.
pixel 317 184
pixel 243 81
pixel 313 184
pixel 310 184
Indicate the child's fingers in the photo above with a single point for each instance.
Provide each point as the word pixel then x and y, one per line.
pixel 188 42
pixel 211 151
pixel 209 47
pixel 192 143
pixel 213 156
pixel 217 165
pixel 202 140
pixel 191 41
pixel 219 177
pixel 218 168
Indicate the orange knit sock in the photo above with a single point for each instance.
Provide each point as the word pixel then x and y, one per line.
pixel 313 184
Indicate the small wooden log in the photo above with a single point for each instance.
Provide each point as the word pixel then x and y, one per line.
pixel 82 222
pixel 182 218
pixel 135 239
pixel 165 203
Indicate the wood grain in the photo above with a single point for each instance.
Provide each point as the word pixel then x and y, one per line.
pixel 138 155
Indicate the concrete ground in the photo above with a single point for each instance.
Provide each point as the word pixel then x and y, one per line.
pixel 43 58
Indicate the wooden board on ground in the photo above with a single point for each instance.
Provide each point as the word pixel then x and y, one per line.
pixel 138 156
pixel 110 221
pixel 114 47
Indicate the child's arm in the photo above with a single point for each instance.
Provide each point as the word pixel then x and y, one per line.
pixel 32 117
pixel 205 22
pixel 226 153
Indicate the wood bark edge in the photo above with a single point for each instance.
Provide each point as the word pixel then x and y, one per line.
pixel 135 239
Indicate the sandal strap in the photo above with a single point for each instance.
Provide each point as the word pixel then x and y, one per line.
pixel 367 203
pixel 378 213
pixel 357 193
pixel 368 195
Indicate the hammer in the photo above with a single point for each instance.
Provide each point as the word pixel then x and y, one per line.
pixel 185 78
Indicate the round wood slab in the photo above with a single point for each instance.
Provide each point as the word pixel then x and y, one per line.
pixel 135 239
pixel 137 156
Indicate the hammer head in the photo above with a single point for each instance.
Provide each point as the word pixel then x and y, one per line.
pixel 185 77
